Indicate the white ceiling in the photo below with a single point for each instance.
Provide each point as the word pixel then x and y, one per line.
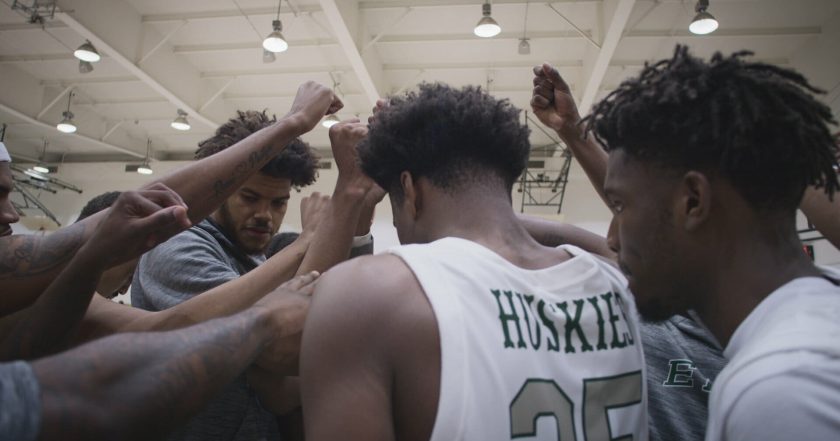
pixel 205 56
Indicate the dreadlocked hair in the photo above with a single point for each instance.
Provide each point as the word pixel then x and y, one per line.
pixel 297 162
pixel 754 124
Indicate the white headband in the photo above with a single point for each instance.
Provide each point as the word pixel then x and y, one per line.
pixel 4 154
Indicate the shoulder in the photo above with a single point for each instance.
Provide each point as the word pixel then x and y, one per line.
pixel 760 408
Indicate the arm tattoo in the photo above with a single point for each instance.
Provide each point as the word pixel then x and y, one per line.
pixel 28 256
pixel 242 169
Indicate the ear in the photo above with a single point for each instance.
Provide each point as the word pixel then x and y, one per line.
pixel 695 201
pixel 411 193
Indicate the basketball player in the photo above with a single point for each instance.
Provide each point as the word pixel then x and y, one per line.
pixel 475 332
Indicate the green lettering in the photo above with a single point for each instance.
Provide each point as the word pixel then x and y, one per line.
pixel 601 344
pixel 552 330
pixel 616 343
pixel 679 373
pixel 530 299
pixel 572 325
pixel 506 317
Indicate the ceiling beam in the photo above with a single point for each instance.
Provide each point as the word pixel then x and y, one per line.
pixel 93 141
pixel 477 65
pixel 615 29
pixel 341 25
pixel 230 47
pixel 90 80
pixel 135 70
pixel 29 58
pixel 306 70
pixel 803 31
pixel 8 27
pixel 463 36
pixel 364 5
pixel 228 13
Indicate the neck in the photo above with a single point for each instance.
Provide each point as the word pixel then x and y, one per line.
pixel 745 271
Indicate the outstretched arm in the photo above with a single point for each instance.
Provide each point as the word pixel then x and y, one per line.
pixel 29 263
pixel 113 388
pixel 823 212
pixel 137 222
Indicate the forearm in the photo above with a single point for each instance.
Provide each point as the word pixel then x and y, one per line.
pixel 114 387
pixel 47 324
pixel 29 263
pixel 228 298
pixel 279 394
pixel 334 235
pixel 823 213
pixel 205 184
pixel 592 158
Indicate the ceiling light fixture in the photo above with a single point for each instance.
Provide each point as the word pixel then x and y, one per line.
pixel 145 168
pixel 180 122
pixel 330 121
pixel 703 23
pixel 86 52
pixel 85 67
pixel 42 167
pixel 524 45
pixel 275 41
pixel 487 27
pixel 67 125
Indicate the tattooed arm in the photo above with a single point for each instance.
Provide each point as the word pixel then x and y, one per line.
pixel 28 264
pixel 113 388
pixel 137 222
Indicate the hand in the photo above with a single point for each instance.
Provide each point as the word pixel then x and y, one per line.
pixel 312 102
pixel 312 209
pixel 553 103
pixel 137 222
pixel 344 137
pixel 286 308
pixel 380 104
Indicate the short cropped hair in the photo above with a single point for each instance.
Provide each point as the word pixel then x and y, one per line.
pixel 98 203
pixel 450 136
pixel 756 125
pixel 297 162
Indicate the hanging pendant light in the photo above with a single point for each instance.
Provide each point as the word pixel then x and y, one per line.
pixel 487 27
pixel 275 42
pixel 86 52
pixel 41 166
pixel 145 168
pixel 180 122
pixel 703 23
pixel 85 67
pixel 67 125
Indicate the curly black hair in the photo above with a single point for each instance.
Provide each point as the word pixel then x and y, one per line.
pixel 98 203
pixel 297 161
pixel 754 124
pixel 450 136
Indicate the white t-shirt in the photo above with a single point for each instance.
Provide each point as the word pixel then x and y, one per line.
pixel 541 354
pixel 783 378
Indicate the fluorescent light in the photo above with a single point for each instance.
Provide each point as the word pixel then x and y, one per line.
pixel 180 122
pixel 86 52
pixel 330 121
pixel 66 125
pixel 275 41
pixel 487 27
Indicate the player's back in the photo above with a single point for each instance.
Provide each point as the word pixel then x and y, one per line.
pixel 549 354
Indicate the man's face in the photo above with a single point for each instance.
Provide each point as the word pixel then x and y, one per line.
pixel 643 235
pixel 8 214
pixel 253 214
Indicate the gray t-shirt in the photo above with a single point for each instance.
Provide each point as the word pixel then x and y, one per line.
pixel 192 262
pixel 20 402
pixel 682 358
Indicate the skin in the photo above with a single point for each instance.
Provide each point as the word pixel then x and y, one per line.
pixel 253 214
pixel 101 391
pixel 687 240
pixel 370 361
pixel 28 264
pixel 8 214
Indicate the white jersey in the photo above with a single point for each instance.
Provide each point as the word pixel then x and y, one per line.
pixel 783 378
pixel 549 354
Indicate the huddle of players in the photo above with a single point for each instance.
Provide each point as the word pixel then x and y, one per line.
pixel 477 329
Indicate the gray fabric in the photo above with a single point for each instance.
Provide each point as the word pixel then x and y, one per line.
pixel 20 402
pixel 186 265
pixel 682 359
